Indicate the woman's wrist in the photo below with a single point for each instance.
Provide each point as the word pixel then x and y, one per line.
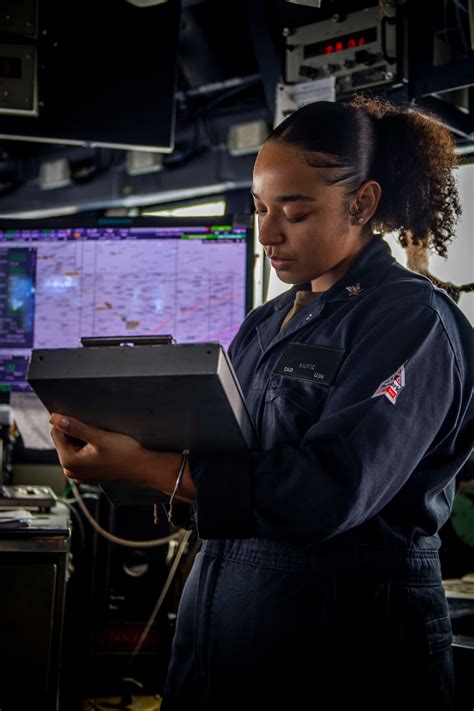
pixel 159 470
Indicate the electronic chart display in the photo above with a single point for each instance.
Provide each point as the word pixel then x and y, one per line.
pixel 62 280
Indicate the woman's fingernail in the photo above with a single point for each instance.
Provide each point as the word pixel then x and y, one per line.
pixel 64 422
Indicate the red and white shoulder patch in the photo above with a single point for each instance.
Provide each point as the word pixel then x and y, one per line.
pixel 393 386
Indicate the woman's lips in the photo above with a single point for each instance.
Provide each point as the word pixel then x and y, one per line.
pixel 280 263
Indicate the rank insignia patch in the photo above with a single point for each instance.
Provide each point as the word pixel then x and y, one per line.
pixel 392 387
pixel 354 290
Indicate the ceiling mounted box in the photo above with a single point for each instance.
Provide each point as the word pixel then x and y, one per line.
pixel 359 50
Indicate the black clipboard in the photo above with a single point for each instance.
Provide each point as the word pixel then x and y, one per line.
pixel 169 396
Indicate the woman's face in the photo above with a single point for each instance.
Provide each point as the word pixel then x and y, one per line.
pixel 304 224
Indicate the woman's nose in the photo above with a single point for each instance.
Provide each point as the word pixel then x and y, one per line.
pixel 269 231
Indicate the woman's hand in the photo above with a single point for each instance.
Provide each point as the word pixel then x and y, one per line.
pixel 91 454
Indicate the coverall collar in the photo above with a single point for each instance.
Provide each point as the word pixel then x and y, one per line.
pixel 366 271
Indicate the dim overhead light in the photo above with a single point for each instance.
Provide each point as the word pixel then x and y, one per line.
pixel 246 137
pixel 54 174
pixel 141 162
pixel 206 209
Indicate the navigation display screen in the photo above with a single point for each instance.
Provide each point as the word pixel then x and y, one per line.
pixel 59 284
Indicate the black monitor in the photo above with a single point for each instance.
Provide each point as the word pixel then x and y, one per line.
pixel 90 73
pixel 65 279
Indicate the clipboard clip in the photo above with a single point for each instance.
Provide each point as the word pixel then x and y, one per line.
pixel 127 341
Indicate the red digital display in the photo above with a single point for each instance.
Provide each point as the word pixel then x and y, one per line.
pixel 338 44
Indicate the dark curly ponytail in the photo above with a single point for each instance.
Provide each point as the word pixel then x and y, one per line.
pixel 406 150
pixel 414 162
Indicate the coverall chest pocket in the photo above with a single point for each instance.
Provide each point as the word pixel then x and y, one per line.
pixel 292 405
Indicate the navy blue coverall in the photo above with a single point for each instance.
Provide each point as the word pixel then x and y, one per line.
pixel 318 584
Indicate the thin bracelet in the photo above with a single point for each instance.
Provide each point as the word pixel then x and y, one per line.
pixel 185 454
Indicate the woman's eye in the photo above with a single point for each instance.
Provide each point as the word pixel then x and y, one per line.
pixel 296 219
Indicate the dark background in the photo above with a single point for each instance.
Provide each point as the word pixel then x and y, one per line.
pixel 108 72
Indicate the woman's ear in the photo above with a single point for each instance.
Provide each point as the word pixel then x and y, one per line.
pixel 366 200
